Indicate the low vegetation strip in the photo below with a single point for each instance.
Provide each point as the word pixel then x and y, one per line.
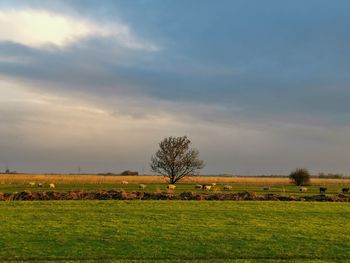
pixel 122 195
pixel 177 231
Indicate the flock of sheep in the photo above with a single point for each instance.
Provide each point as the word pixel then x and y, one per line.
pixel 143 186
pixel 211 186
pixel 304 189
pixel 208 187
pixel 198 186
pixel 324 189
pixel 32 184
pixel 205 187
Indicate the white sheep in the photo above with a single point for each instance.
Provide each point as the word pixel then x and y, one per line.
pixel 227 187
pixel 206 187
pixel 142 186
pixel 266 188
pixel 31 184
pixel 171 187
pixel 198 186
pixel 125 182
pixel 40 185
pixel 303 189
pixel 52 185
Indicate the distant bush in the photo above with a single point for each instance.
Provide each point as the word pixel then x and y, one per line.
pixel 8 171
pixel 300 177
pixel 106 174
pixel 128 172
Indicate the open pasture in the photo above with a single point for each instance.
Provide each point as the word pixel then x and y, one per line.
pixel 177 231
pixel 281 186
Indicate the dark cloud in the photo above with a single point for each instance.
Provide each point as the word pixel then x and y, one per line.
pixel 238 65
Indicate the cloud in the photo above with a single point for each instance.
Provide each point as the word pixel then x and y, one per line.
pixel 40 28
pixel 43 132
pixel 255 87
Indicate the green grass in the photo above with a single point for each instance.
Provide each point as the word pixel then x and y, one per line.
pixel 281 189
pixel 174 231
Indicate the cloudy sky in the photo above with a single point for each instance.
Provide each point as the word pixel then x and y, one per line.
pixel 258 86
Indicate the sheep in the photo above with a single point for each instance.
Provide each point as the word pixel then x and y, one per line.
pixel 52 185
pixel 323 190
pixel 125 182
pixel 227 187
pixel 198 186
pixel 303 189
pixel 142 186
pixel 345 190
pixel 213 184
pixel 31 184
pixel 171 187
pixel 40 185
pixel 266 188
pixel 206 187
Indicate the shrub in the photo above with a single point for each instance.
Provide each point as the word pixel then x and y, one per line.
pixel 128 172
pixel 300 177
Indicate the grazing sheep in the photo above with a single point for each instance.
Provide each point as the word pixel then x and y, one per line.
pixel 206 187
pixel 52 185
pixel 198 186
pixel 142 186
pixel 125 182
pixel 345 190
pixel 266 188
pixel 213 184
pixel 31 184
pixel 227 187
pixel 323 190
pixel 40 185
pixel 171 187
pixel 303 189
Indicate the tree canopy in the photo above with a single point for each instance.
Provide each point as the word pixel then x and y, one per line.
pixel 175 159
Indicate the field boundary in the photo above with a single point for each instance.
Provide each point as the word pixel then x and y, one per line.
pixel 122 195
pixel 187 259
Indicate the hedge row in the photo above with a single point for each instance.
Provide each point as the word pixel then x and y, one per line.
pixel 122 195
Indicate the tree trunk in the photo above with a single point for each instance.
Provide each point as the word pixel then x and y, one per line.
pixel 172 180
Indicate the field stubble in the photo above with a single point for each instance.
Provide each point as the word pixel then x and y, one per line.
pixel 102 179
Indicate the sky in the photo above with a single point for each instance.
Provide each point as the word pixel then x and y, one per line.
pixel 260 87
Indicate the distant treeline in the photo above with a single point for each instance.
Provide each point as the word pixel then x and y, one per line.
pixel 135 173
pixel 319 175
pixel 127 172
pixel 330 175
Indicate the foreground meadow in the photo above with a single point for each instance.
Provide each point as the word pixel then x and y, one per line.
pixel 174 231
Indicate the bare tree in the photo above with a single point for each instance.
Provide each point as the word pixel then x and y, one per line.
pixel 175 159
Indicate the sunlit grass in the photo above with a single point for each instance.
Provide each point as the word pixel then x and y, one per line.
pixel 177 230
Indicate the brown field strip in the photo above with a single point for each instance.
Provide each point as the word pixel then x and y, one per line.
pixel 100 179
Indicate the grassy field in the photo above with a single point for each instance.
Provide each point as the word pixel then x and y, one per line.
pixel 282 186
pixel 176 231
